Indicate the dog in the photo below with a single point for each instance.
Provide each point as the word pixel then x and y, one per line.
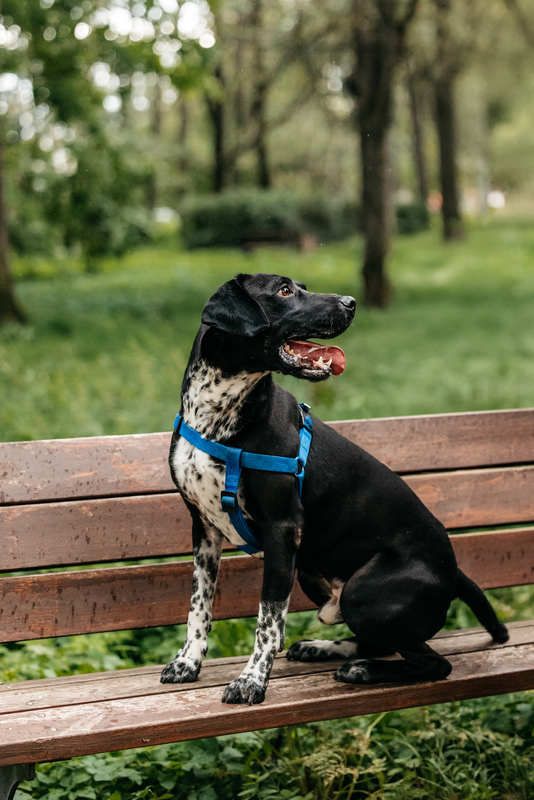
pixel 366 550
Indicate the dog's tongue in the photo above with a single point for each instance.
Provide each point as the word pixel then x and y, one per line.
pixel 313 352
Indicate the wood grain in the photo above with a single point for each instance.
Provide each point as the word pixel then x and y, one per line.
pixel 63 732
pixel 117 598
pixel 120 465
pixel 476 498
pixel 91 531
pixel 144 681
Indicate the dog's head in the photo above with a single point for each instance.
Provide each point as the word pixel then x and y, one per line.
pixel 263 323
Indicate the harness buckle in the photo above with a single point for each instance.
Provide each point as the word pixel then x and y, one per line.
pixel 229 502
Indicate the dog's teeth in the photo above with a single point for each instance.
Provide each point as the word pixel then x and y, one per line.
pixel 319 363
pixel 286 348
pixel 328 363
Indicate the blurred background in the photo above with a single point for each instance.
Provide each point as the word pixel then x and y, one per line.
pixel 152 149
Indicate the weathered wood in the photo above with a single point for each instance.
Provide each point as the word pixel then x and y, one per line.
pixel 100 466
pixel 67 731
pixel 121 465
pixel 116 598
pixel 477 498
pixel 498 558
pixel 90 531
pixel 446 441
pixel 144 681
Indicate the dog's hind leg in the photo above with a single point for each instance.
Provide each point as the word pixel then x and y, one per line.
pixel 185 666
pixel 327 650
pixel 419 664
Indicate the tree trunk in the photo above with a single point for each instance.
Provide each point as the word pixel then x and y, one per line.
pixel 259 100
pixel 418 138
pixel 444 82
pixel 375 215
pixel 378 41
pixel 183 148
pixel 217 115
pixel 151 193
pixel 445 122
pixel 9 309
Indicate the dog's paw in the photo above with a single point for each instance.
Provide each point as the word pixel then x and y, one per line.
pixel 180 670
pixel 354 672
pixel 298 650
pixel 311 650
pixel 244 690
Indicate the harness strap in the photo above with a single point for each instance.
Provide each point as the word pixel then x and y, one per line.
pixel 235 459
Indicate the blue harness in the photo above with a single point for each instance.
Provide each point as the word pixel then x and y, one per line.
pixel 236 459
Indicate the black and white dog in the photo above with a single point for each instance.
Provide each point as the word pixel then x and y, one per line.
pixel 366 549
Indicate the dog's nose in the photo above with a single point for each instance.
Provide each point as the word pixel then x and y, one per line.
pixel 348 301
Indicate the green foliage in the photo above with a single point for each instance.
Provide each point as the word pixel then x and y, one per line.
pixel 245 217
pixel 476 750
pixel 105 354
pixel 412 217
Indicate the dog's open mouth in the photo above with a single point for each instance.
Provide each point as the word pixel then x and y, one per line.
pixel 327 360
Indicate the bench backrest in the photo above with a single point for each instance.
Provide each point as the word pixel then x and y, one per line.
pixel 88 502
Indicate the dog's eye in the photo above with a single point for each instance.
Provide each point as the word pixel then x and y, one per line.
pixel 285 291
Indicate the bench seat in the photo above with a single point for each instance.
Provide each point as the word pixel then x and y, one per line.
pixel 43 720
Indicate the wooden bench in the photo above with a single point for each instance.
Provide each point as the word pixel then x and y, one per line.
pixel 110 499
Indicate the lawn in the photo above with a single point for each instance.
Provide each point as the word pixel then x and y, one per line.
pixel 105 353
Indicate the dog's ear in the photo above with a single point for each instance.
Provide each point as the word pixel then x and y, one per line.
pixel 233 310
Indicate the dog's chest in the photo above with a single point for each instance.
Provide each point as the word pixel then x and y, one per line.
pixel 211 405
pixel 200 479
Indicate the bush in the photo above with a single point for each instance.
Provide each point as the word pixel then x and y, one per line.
pixel 240 218
pixel 412 217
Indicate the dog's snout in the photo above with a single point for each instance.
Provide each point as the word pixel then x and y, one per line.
pixel 348 301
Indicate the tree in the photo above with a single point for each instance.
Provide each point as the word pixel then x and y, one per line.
pixel 10 310
pixel 449 63
pixel 417 134
pixel 260 48
pixel 378 30
pixel 60 49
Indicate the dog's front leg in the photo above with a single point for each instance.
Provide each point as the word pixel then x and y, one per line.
pixel 278 577
pixel 207 547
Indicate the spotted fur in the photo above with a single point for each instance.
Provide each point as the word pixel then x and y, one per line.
pixel 252 683
pixel 211 404
pixel 185 666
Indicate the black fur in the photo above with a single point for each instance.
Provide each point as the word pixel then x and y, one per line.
pixel 364 546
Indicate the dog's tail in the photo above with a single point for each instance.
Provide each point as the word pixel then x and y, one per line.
pixel 470 593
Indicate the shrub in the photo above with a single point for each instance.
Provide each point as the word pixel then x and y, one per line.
pixel 412 217
pixel 239 218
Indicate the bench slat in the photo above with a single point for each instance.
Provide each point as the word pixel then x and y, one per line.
pixel 91 531
pixel 143 681
pixel 63 732
pixel 117 598
pixel 446 441
pixel 478 497
pixel 121 465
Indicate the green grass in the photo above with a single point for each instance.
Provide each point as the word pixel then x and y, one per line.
pixel 104 354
